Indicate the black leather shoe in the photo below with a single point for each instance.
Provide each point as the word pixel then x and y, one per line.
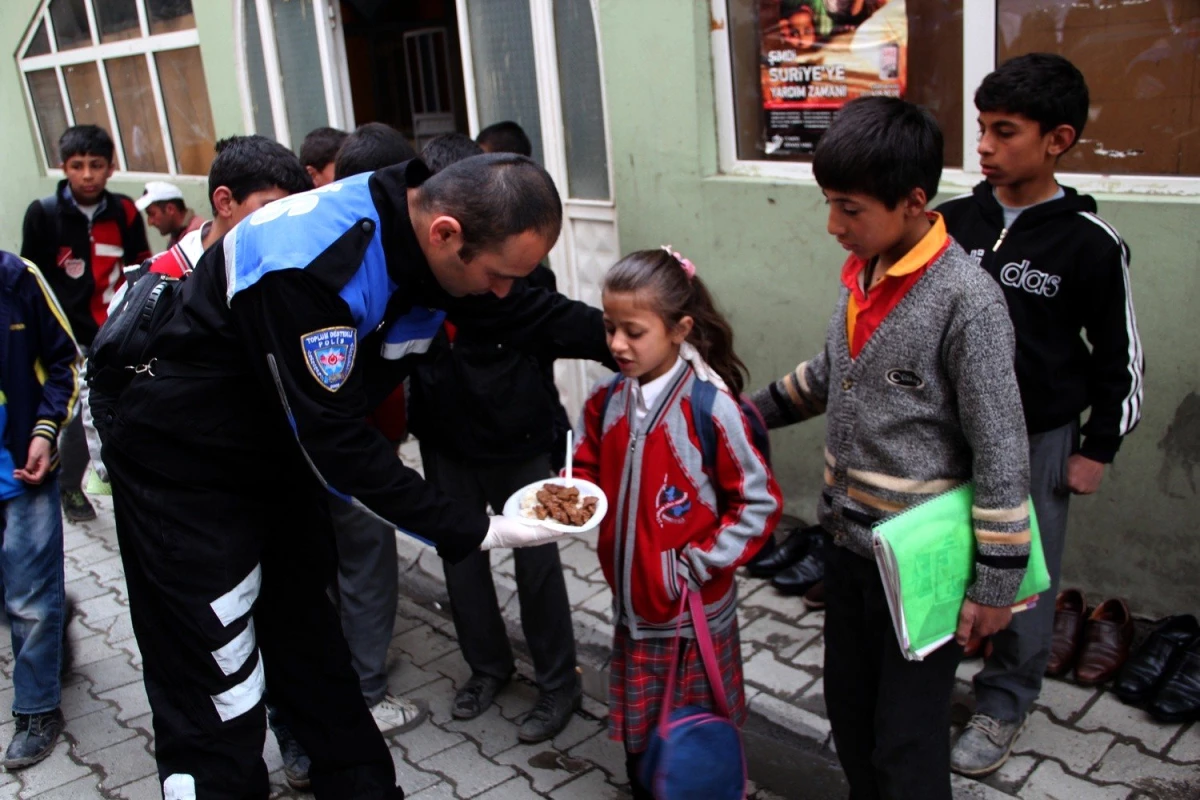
pixel 1150 664
pixel 1178 699
pixel 766 551
pixel 802 576
pixel 476 696
pixel 799 543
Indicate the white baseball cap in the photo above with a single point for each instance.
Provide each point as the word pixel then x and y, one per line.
pixel 157 192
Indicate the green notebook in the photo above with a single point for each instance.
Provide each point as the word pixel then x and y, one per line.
pixel 926 558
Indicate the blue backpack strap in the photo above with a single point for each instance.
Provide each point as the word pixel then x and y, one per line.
pixel 704 394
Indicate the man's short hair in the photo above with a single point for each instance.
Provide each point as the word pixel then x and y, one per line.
pixel 372 146
pixel 85 140
pixel 249 164
pixel 883 147
pixel 179 205
pixel 494 196
pixel 1045 87
pixel 321 147
pixel 448 148
pixel 505 137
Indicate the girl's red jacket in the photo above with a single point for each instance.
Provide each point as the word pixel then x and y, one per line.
pixel 671 515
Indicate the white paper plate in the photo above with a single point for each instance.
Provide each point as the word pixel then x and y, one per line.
pixel 512 508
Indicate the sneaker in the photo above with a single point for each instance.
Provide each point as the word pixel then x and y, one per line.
pixel 550 714
pixel 296 762
pixel 984 745
pixel 475 698
pixel 398 714
pixel 34 739
pixel 76 506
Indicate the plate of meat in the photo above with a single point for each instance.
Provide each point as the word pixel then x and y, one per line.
pixel 560 504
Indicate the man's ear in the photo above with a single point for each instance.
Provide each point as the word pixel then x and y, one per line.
pixel 222 202
pixel 1060 140
pixel 445 230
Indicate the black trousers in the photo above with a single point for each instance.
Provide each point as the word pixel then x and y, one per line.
pixel 227 598
pixel 545 608
pixel 890 717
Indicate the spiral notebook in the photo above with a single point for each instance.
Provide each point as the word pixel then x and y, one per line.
pixel 926 558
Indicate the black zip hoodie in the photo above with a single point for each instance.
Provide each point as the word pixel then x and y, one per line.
pixel 1064 271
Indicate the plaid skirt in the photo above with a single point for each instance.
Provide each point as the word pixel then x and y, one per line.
pixel 638 681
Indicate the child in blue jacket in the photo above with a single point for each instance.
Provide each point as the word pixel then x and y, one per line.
pixel 39 395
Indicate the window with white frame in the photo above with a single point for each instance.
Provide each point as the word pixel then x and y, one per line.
pixel 783 67
pixel 291 79
pixel 132 67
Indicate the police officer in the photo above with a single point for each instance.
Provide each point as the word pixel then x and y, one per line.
pixel 251 404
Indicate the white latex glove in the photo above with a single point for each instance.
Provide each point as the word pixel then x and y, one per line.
pixel 508 532
pixel 691 355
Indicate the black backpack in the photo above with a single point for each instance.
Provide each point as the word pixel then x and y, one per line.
pixel 120 348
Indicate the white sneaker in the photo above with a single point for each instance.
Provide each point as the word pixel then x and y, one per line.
pixel 398 714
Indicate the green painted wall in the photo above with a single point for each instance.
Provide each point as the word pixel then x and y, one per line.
pixel 26 177
pixel 762 246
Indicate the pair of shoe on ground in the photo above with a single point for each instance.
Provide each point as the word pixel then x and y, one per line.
pixel 796 566
pixel 1164 673
pixel 1096 645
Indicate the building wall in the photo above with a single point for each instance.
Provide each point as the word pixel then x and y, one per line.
pixel 762 246
pixel 26 177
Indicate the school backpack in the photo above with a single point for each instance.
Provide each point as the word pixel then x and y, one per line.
pixel 704 394
pixel 695 752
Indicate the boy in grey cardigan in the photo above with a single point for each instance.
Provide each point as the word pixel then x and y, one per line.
pixel 917 381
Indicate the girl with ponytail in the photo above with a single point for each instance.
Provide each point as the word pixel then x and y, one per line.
pixel 691 497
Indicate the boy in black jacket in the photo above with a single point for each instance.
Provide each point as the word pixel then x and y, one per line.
pixel 487 417
pixel 1064 271
pixel 81 238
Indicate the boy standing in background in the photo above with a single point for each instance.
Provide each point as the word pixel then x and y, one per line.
pixel 1064 271
pixel 318 152
pixel 81 238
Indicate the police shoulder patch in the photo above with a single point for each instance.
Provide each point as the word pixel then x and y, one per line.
pixel 329 354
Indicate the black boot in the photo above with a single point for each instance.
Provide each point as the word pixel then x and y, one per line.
pixel 798 544
pixel 805 574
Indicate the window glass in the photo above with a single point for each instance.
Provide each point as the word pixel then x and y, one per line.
pixel 117 19
pixel 256 72
pixel 70 24
pixel 796 62
pixel 505 76
pixel 133 100
pixel 582 101
pixel 166 16
pixel 39 45
pixel 300 67
pixel 48 106
pixel 86 95
pixel 189 115
pixel 1140 63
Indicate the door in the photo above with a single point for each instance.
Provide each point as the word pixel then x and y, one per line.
pixel 538 63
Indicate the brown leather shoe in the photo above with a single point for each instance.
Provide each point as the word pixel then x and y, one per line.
pixel 1107 637
pixel 1069 611
pixel 814 598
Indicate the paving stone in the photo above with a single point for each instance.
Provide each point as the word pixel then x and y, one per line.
pixel 77 701
pixel 471 774
pixel 604 753
pixel 126 762
pixel 783 640
pixel 968 668
pixel 408 777
pixel 86 786
pixel 600 604
pixel 90 553
pixel 452 666
pixel 1064 700
pixel 590 786
pixel 790 609
pixel 439 791
pixel 1111 714
pixel 89 650
pixel 406 676
pixel 790 717
pixel 1127 764
pixel 98 609
pixel 121 632
pixel 578 729
pixel 1012 774
pixel 85 588
pixel 424 645
pixel 1050 782
pixel 547 766
pixel 967 789
pixel 440 697
pixel 516 699
pixel 492 732
pixel 108 571
pixel 516 789
pixel 1187 748
pixel 576 556
pixel 131 700
pixel 425 741
pixel 812 656
pixel 580 590
pixel 148 788
pixel 110 673
pixel 97 731
pixel 1078 751
pixel 770 673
